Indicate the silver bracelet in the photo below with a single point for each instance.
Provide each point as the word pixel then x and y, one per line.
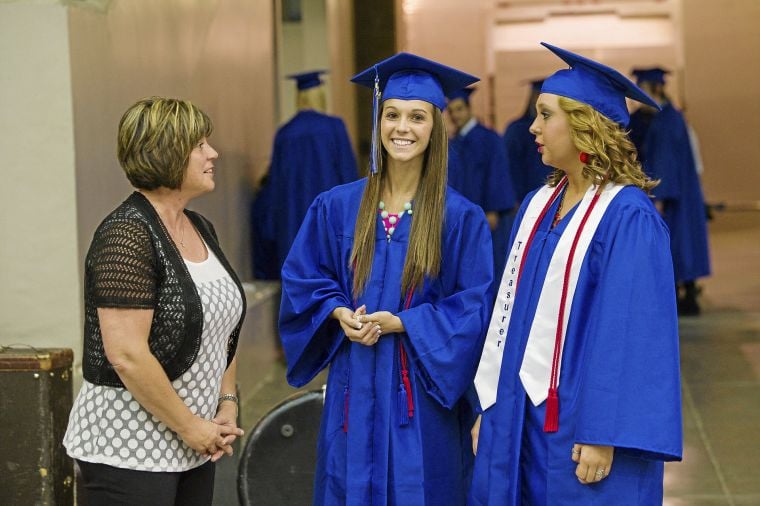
pixel 228 397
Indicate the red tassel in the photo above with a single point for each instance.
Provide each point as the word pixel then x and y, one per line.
pixel 406 382
pixel 551 422
pixel 405 388
pixel 408 389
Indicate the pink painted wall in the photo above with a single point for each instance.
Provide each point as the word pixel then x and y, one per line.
pixel 721 76
pixel 219 54
pixel 451 32
pixel 712 47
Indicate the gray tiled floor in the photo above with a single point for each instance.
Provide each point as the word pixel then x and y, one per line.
pixel 720 362
pixel 720 353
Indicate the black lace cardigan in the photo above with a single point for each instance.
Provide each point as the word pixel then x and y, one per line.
pixel 132 263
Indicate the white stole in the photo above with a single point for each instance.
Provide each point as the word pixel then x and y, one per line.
pixel 535 371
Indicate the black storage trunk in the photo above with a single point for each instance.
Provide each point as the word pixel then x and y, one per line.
pixel 35 400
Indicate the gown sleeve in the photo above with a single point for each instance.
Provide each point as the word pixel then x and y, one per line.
pixel 311 290
pixel 631 395
pixel 446 336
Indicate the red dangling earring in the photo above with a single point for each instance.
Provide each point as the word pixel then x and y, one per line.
pixel 584 157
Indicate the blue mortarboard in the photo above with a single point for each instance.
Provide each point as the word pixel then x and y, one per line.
pixel 597 85
pixel 410 77
pixel 463 93
pixel 306 80
pixel 407 76
pixel 650 75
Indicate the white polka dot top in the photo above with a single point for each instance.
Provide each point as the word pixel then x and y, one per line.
pixel 107 426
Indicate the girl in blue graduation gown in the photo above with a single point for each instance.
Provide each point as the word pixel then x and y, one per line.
pixel 666 153
pixel 482 173
pixel 387 285
pixel 311 153
pixel 612 411
pixel 525 166
pixel 669 158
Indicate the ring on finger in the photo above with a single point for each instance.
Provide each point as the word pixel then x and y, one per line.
pixel 576 452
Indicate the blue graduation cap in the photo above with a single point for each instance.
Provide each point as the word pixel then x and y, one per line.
pixel 463 93
pixel 650 75
pixel 406 76
pixel 410 77
pixel 597 85
pixel 306 80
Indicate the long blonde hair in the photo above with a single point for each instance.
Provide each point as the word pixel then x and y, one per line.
pixel 613 156
pixel 423 255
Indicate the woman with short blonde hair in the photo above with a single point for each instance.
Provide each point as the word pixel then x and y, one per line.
pixel 163 311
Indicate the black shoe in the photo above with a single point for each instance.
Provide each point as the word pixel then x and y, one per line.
pixel 688 306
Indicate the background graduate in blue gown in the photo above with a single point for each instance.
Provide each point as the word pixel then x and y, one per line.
pixel 481 172
pixel 638 126
pixel 387 284
pixel 264 260
pixel 667 155
pixel 527 170
pixel 311 153
pixel 612 413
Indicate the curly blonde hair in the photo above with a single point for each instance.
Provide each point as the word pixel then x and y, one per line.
pixel 613 156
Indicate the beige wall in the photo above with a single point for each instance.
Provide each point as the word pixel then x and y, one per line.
pixel 301 47
pixel 721 47
pixel 451 32
pixel 340 40
pixel 39 274
pixel 68 73
pixel 711 46
pixel 217 53
pixel 622 35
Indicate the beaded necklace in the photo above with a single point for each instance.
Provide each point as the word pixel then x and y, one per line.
pixel 390 220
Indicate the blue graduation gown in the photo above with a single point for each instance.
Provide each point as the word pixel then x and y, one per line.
pixel 262 239
pixel 668 157
pixel 619 381
pixel 378 461
pixel 639 126
pixel 523 159
pixel 482 175
pixel 311 153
